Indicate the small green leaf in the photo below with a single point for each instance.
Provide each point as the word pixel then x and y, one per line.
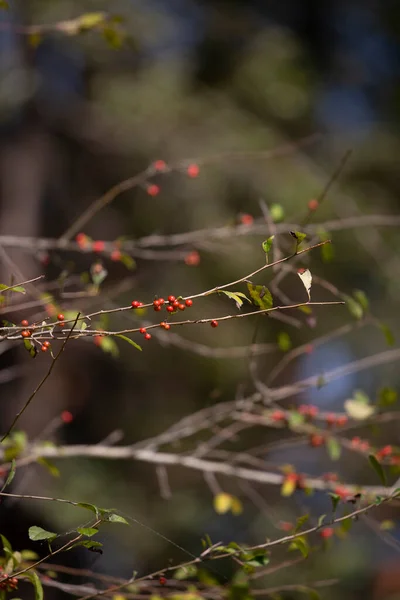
pixel 128 262
pixel 131 342
pixel 89 544
pixel 6 543
pixel 37 584
pixel 88 531
pixel 299 237
pixel 300 522
pixel 376 465
pixel 10 476
pixel 387 397
pixel 52 469
pixel 94 509
pixel 284 341
pixel 114 518
pixel 15 288
pixel 267 245
pixel 37 534
pixel 362 299
pixel 389 337
pixel 183 573
pixel 260 296
pixel 107 344
pixel 354 307
pixel 277 212
pixel 295 419
pixel 300 544
pixel 91 20
pixel 335 498
pixel 321 520
pixel 334 448
pixel 237 297
pixel 30 348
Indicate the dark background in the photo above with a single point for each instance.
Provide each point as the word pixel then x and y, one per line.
pixel 196 80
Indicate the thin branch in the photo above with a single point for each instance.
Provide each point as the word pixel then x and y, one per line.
pixel 43 381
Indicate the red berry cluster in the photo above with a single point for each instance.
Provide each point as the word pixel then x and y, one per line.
pixel 342 492
pixel 60 319
pixel 143 331
pixel 308 410
pixel 8 583
pixel 358 444
pixel 384 452
pixel 316 439
pixel 339 420
pixel 45 346
pixel 136 304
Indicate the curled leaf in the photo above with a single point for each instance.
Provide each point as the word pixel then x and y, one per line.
pixel 306 279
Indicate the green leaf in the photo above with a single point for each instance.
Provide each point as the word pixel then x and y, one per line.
pixel 362 299
pixel 37 584
pixel 335 498
pixel 37 534
pixel 334 448
pixel 183 573
pixel 94 509
pixel 389 337
pixel 10 476
pixel 284 341
pixel 51 468
pixel 277 213
pixel 300 544
pixel 109 345
pixel 300 522
pixel 267 245
pixel 237 297
pixel 387 396
pixel 15 288
pixel 114 518
pixel 91 20
pixel 295 419
pixel 30 348
pixel 131 342
pixel 89 544
pixel 321 520
pixel 128 262
pixel 260 296
pixel 354 307
pixel 6 543
pixel 376 465
pixel 88 531
pixel 299 237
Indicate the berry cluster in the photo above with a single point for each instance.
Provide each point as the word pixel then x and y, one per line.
pixel 7 583
pixel 143 331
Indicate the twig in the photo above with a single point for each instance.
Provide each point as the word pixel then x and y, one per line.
pixel 36 390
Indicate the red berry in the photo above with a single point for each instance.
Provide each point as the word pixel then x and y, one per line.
pixel 214 323
pixel 25 333
pixel 192 259
pixel 43 348
pixel 67 416
pixel 175 303
pixel 98 246
pixel 116 255
pixel 161 301
pixel 330 419
pixel 82 240
pixel 326 533
pixel 60 317
pixel 162 581
pixel 246 219
pixel 157 308
pixel 24 323
pixel 317 440
pixel 153 190
pixel 189 302
pixel 278 415
pixel 193 170
pixel 170 309
pixel 384 452
pixel 341 420
pixel 47 344
pixel 313 205
pixel 285 526
pixel 135 304
pixel 167 326
pixel 160 165
pixel 156 302
pixel 147 336
pixel 171 299
pixel 142 330
pixel 341 491
pixel 181 306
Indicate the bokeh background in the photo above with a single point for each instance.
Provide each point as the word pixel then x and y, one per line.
pixel 220 84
